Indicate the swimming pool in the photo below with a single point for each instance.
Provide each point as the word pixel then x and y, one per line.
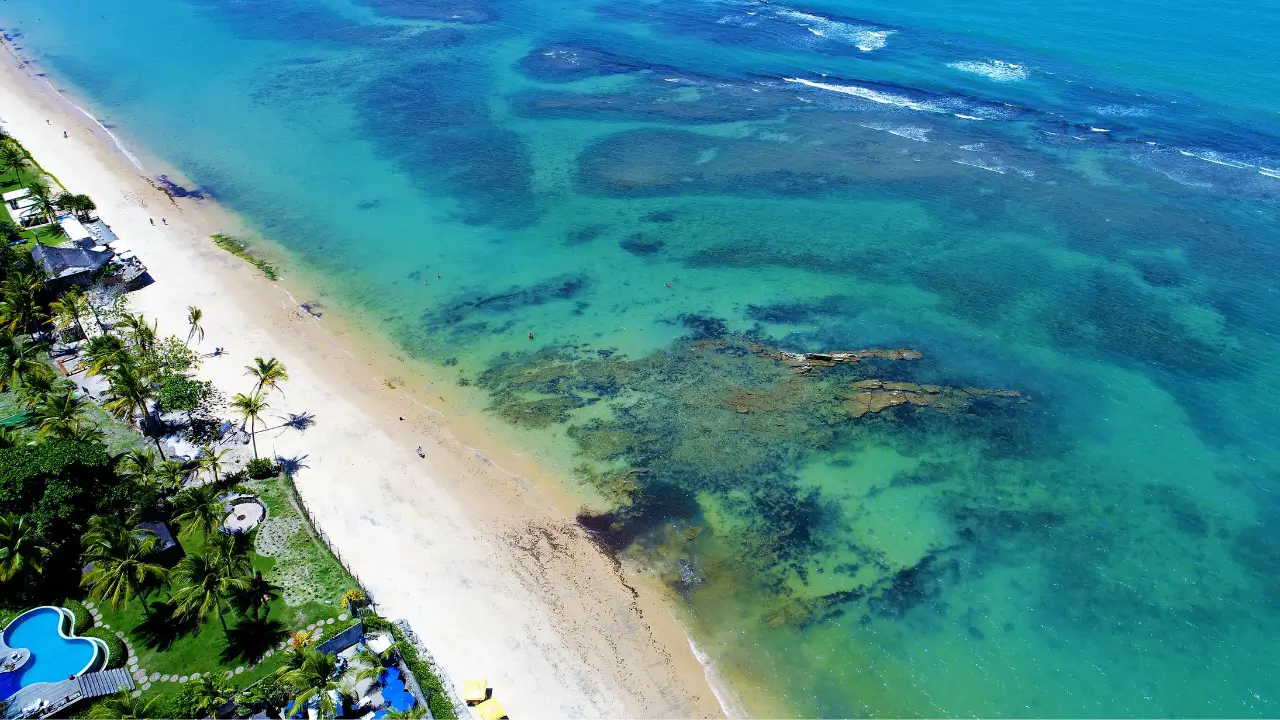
pixel 54 654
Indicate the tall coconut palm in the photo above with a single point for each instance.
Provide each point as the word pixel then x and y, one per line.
pixel 19 360
pixel 138 464
pixel 194 316
pixel 122 558
pixel 19 309
pixel 269 373
pixel 210 692
pixel 105 352
pixel 71 306
pixel 250 408
pixel 61 415
pixel 198 510
pixel 13 159
pixel 124 706
pixel 211 460
pixel 171 474
pixel 39 386
pixel 205 587
pixel 20 551
pixel 256 598
pixel 140 332
pixel 44 202
pixel 128 395
pixel 235 551
pixel 314 675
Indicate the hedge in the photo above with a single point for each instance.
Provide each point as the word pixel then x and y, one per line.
pixel 117 653
pixel 261 468
pixel 84 620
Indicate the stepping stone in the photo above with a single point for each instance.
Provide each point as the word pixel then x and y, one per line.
pixel 146 686
pixel 195 676
pixel 329 621
pixel 120 634
pixel 106 626
pixel 184 678
pixel 164 678
pixel 155 676
pixel 88 604
pixel 136 693
pixel 343 617
pixel 316 634
pixel 311 626
pixel 270 653
pixel 239 669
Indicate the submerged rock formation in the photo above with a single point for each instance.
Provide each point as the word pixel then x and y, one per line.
pixel 873 396
pixel 802 363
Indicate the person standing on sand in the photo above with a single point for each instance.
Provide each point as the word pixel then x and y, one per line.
pixel 64 134
pixel 153 221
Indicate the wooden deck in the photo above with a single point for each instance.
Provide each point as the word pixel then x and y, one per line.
pixel 63 693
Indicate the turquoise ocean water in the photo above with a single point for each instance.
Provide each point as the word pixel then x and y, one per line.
pixel 1076 202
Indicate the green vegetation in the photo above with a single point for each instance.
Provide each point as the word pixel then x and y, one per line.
pixel 83 619
pixel 117 653
pixel 437 699
pixel 240 249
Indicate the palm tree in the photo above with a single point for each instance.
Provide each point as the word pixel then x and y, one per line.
pixel 234 550
pixel 194 316
pixel 171 473
pixel 257 596
pixel 142 334
pixel 128 395
pixel 269 373
pixel 19 360
pixel 10 234
pixel 19 308
pixel 211 460
pixel 20 551
pixel 250 408
pixel 124 706
pixel 198 510
pixel 314 675
pixel 104 352
pixel 13 158
pixel 39 386
pixel 138 464
pixel 44 203
pixel 414 713
pixel 72 305
pixel 60 415
pixel 210 692
pixel 8 438
pixel 122 565
pixel 206 586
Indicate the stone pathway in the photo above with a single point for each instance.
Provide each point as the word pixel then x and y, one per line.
pixel 144 680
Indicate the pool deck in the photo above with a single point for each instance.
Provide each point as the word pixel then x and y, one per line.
pixel 63 693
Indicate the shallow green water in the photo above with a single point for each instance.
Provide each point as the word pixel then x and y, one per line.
pixel 662 205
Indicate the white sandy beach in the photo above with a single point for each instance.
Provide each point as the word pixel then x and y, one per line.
pixel 485 562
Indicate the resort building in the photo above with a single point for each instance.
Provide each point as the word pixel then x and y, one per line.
pixel 65 267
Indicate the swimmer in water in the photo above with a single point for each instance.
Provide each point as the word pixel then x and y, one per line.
pixel 530 336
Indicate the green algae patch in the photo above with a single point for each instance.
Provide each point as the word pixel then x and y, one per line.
pixel 240 249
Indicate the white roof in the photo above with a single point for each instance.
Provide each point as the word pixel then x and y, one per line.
pixel 15 194
pixel 75 231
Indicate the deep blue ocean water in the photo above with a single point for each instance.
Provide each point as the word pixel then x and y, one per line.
pixel 1076 202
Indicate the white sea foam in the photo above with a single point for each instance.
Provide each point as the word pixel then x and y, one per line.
pixel 865 38
pixel 1269 172
pixel 1121 111
pixel 983 166
pixel 875 96
pixel 119 145
pixel 1210 156
pixel 997 70
pixel 919 134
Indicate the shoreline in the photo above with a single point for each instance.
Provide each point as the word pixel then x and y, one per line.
pixel 478 548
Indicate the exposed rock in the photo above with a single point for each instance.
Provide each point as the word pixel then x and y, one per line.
pixel 802 363
pixel 873 396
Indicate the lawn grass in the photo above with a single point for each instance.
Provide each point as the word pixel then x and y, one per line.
pixel 181 647
pixel 45 234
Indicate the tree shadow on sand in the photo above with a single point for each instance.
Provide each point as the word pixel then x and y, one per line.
pixel 290 466
pixel 249 640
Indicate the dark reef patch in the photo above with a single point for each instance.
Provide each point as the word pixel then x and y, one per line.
pixel 584 234
pixel 564 62
pixel 641 244
pixel 432 119
pixel 517 298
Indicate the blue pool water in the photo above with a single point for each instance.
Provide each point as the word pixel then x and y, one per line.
pixel 393 690
pixel 53 657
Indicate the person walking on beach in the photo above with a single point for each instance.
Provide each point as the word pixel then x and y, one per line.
pixel 64 134
pixel 166 222
pixel 153 221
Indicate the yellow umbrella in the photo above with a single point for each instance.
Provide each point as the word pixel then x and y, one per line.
pixel 491 710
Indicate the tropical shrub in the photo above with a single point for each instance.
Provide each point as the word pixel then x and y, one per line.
pixel 83 619
pixel 261 468
pixel 437 699
pixel 117 653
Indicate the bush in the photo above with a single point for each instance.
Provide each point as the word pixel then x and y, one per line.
pixel 84 620
pixel 260 468
pixel 117 653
